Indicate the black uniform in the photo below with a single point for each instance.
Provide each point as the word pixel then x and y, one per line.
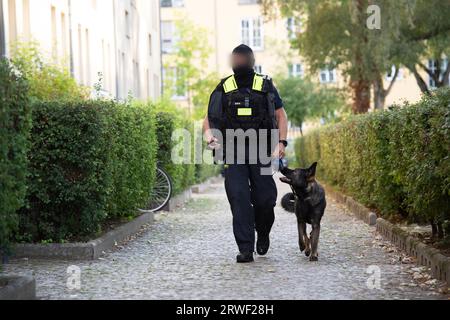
pixel 252 196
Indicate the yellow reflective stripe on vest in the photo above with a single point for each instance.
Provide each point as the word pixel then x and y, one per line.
pixel 230 85
pixel 258 83
pixel 245 112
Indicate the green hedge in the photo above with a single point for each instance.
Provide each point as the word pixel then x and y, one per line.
pixel 15 124
pixel 90 162
pixel 396 161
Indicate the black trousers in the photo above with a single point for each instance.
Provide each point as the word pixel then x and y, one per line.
pixel 252 198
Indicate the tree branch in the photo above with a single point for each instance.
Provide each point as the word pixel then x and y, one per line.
pixel 394 78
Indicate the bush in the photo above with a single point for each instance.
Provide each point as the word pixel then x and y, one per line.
pixel 90 162
pixel 397 161
pixel 47 81
pixel 15 125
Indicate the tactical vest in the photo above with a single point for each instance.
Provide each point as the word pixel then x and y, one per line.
pixel 231 108
pixel 250 109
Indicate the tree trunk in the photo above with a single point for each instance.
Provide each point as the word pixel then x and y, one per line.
pixel 379 95
pixel 361 96
pixel 420 82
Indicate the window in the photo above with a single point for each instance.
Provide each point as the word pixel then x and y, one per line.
pixel 172 3
pixel 259 69
pixel 156 84
pixel 293 26
pixel 127 25
pixel 150 45
pixel 175 80
pixel 136 80
pixel 252 33
pixel 390 75
pixel 167 36
pixel 327 76
pixel 432 65
pixel 296 70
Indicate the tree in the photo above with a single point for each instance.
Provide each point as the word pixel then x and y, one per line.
pixel 304 100
pixel 425 35
pixel 185 67
pixel 334 38
pixel 337 35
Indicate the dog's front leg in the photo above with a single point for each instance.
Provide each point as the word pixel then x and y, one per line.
pixel 315 242
pixel 302 235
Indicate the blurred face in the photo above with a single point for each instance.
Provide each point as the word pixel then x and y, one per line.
pixel 239 61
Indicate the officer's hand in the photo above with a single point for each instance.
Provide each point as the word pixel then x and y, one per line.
pixel 280 151
pixel 212 143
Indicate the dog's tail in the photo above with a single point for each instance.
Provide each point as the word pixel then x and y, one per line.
pixel 288 202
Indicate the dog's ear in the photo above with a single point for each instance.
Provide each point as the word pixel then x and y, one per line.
pixel 312 171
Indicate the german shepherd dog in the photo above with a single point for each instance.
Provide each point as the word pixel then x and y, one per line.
pixel 309 206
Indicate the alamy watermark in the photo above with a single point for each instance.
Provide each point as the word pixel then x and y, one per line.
pixel 374 280
pixel 73 282
pixel 374 19
pixel 230 146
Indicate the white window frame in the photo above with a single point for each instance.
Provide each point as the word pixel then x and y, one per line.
pixel 167 44
pixel 249 32
pixel 174 74
pixel 293 26
pixel 174 4
pixel 296 70
pixel 432 67
pixel 330 76
pixel 390 75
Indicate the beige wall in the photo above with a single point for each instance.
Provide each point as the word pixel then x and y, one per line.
pixel 111 37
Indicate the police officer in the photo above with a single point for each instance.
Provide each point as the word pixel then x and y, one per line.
pixel 247 100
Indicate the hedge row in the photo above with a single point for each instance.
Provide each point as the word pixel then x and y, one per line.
pixel 15 124
pixel 396 161
pixel 90 162
pixel 82 165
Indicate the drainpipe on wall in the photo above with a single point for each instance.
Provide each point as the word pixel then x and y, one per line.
pixel 72 68
pixel 2 32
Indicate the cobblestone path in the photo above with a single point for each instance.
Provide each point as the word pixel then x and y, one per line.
pixel 190 254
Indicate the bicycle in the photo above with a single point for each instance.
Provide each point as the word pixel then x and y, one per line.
pixel 161 192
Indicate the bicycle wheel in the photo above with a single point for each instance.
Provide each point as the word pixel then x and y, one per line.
pixel 161 192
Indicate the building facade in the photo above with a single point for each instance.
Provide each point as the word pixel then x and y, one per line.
pixel 233 22
pixel 112 42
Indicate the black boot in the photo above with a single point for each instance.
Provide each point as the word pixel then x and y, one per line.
pixel 263 245
pixel 245 257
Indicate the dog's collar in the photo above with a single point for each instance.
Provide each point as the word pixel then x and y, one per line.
pixel 297 197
